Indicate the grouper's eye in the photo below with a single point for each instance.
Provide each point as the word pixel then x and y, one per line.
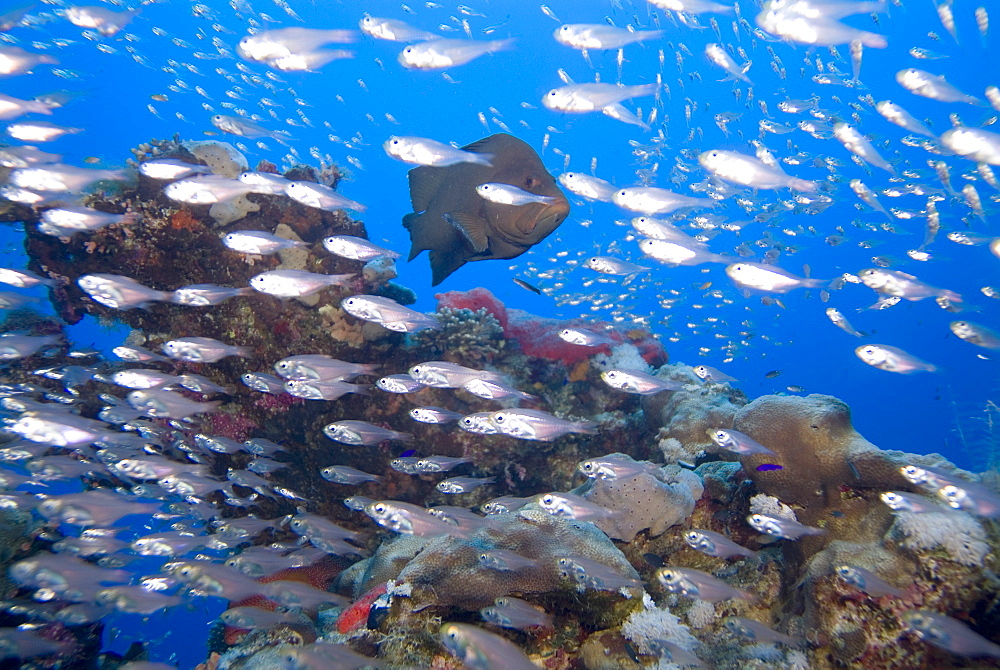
pixel 529 182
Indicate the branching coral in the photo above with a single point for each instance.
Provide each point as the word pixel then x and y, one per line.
pixel 466 334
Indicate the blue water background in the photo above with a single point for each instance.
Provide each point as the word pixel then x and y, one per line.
pixel 917 413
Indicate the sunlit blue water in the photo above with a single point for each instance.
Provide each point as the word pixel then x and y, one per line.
pixel 349 108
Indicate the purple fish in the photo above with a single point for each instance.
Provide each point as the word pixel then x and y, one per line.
pixel 764 467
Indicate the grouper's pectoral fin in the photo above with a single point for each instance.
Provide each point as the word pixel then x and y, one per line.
pixel 444 262
pixel 474 229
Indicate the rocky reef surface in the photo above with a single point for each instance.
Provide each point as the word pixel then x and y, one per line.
pixel 599 567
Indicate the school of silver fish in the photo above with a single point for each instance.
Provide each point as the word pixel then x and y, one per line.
pixel 749 206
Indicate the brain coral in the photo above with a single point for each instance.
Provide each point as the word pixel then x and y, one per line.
pixel 817 447
pixel 656 500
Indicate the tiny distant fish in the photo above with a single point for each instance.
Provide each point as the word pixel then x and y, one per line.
pixel 613 266
pixel 526 286
pixel 771 374
pixel 841 321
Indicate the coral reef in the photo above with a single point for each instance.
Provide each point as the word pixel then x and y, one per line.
pixel 687 415
pixel 654 500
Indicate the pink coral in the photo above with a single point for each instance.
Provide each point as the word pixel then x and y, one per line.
pixel 539 336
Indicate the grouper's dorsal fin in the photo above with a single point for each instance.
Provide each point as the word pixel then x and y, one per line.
pixel 473 229
pixel 484 146
pixel 424 184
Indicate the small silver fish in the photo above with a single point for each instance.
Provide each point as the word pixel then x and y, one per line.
pixel 531 424
pixel 258 242
pixel 463 484
pixel 755 631
pixel 867 581
pixel 710 374
pixel 478 649
pixel 641 383
pixel 697 584
pixel 355 248
pixel 118 292
pixel 295 283
pixel 202 350
pixel 902 501
pixel 433 415
pixel 509 612
pixel 948 633
pixel 714 544
pixel 362 433
pixel 892 359
pixel 398 384
pixel 787 529
pixel 737 442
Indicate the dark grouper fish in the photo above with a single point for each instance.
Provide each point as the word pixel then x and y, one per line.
pixel 457 225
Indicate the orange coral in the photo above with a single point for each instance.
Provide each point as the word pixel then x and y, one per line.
pixel 183 220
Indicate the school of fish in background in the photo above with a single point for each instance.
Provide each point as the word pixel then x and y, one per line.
pixel 753 189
